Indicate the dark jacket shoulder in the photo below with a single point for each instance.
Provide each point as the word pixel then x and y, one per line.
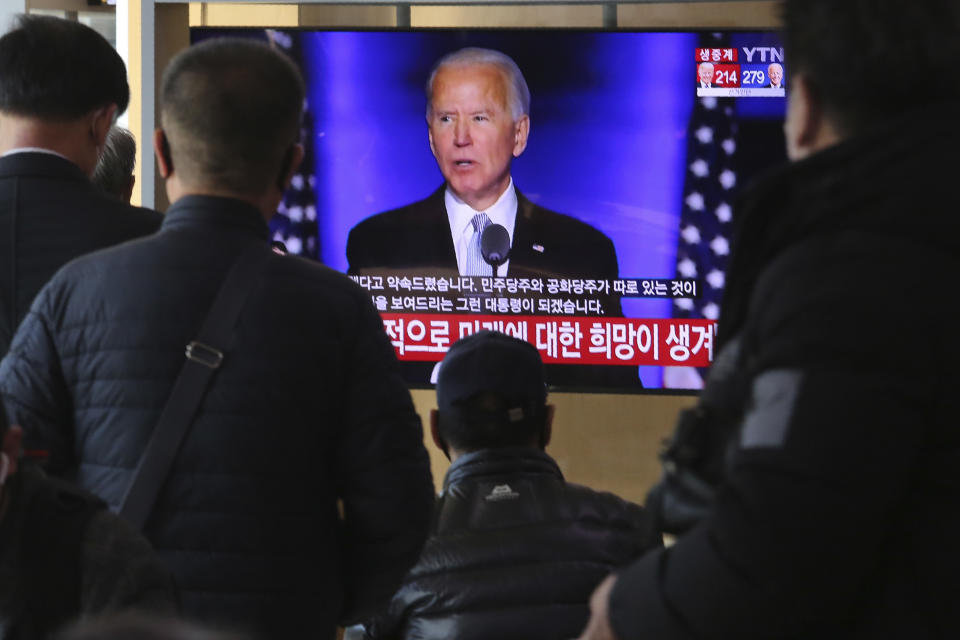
pixel 514 552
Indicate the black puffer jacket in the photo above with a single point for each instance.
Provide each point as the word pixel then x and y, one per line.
pixel 838 516
pixel 514 552
pixel 307 409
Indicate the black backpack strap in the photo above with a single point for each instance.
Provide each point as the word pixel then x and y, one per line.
pixel 204 355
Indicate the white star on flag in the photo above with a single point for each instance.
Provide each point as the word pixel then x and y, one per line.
pixel 687 268
pixel 724 212
pixel 720 246
pixel 695 201
pixel 294 245
pixel 716 279
pixel 728 179
pixel 691 234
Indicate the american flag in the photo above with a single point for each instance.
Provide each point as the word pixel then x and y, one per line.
pixel 703 245
pixel 295 223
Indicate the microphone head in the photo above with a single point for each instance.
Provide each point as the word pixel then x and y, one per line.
pixel 495 244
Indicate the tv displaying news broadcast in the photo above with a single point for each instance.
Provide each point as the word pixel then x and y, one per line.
pixel 638 145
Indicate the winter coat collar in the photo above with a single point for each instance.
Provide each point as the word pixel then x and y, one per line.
pixel 497 462
pixel 191 211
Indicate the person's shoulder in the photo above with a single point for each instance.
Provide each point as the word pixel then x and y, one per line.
pixel 399 217
pixel 108 260
pixel 562 225
pixel 606 507
pixel 323 290
pixel 126 219
pixel 148 219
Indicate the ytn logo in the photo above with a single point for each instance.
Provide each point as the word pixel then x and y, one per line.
pixel 766 54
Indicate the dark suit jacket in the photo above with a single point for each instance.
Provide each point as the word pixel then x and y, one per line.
pixel 416 239
pixel 50 213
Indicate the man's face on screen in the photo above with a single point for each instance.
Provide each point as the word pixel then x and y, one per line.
pixel 472 133
pixel 775 72
pixel 705 71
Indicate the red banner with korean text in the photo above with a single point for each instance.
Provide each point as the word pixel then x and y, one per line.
pixel 562 339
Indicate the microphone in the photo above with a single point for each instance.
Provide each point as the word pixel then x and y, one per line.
pixel 495 245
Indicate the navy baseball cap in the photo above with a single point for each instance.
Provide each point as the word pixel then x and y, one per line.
pixel 490 361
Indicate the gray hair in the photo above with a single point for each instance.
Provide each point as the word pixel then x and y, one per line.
pixel 518 94
pixel 116 163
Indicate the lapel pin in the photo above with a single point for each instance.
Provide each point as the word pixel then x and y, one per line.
pixel 538 248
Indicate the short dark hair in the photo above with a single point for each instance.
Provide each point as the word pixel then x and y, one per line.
pixel 59 69
pixel 115 166
pixel 484 421
pixel 870 60
pixel 231 109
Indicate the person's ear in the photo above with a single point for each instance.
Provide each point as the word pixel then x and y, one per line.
pixel 435 433
pixel 100 122
pixel 433 148
pixel 10 450
pixel 289 165
pixel 547 426
pixel 521 130
pixel 805 123
pixel 161 149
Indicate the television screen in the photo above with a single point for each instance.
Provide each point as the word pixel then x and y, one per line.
pixel 612 255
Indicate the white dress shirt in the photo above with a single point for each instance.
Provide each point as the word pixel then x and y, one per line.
pixel 459 214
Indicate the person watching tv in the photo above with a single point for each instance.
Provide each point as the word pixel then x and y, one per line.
pixel 62 86
pixel 834 513
pixel 114 171
pixel 301 492
pixel 515 549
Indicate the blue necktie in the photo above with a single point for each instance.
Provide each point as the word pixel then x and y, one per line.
pixel 476 265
